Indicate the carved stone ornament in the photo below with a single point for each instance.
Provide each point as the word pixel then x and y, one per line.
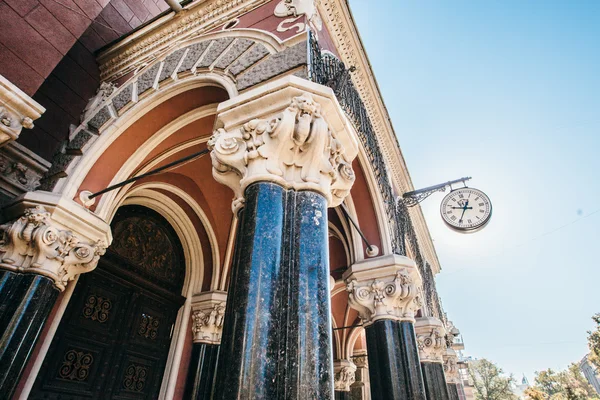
pixel 32 244
pixel 361 360
pixel 295 9
pixel 17 111
pixel 344 375
pixel 295 148
pixel 103 92
pixel 208 312
pixel 451 366
pixel 385 287
pixel 430 339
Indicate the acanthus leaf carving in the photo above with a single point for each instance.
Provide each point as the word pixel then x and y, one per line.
pixel 344 375
pixel 390 291
pixel 32 244
pixel 430 339
pixel 451 366
pixel 207 324
pixel 295 149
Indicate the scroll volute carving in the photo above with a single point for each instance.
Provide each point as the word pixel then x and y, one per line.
pixel 295 148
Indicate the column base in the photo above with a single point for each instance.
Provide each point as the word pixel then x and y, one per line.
pixel 25 303
pixel 435 381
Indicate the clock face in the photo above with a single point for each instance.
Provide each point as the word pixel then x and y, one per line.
pixel 466 209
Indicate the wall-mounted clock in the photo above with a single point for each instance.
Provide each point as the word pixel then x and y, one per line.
pixel 466 210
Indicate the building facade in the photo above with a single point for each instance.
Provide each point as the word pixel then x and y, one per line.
pixel 590 373
pixel 201 200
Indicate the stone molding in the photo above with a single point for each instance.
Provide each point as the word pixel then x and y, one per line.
pixel 208 312
pixel 344 375
pixel 52 237
pixel 291 132
pixel 431 340
pixel 20 169
pixel 386 287
pixel 360 359
pixel 17 111
pixel 451 366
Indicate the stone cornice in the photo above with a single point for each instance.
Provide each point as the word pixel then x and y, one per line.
pixel 51 236
pixel 338 19
pixel 208 312
pixel 17 111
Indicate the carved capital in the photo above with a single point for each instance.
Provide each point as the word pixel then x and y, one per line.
pixel 451 366
pixel 291 132
pixel 360 358
pixel 387 287
pixel 431 340
pixel 17 111
pixel 344 371
pixel 208 312
pixel 51 237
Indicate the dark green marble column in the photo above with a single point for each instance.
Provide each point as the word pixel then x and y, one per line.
pixel 276 340
pixel 26 302
pixel 453 391
pixel 201 374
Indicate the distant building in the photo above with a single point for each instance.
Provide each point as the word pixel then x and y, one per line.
pixel 590 373
pixel 519 389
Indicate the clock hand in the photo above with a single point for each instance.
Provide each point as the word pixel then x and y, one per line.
pixel 464 209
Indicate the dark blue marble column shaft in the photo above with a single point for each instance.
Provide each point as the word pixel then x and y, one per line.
pixel 201 375
pixel 276 341
pixel 394 367
pixel 435 381
pixel 342 395
pixel 453 391
pixel 26 303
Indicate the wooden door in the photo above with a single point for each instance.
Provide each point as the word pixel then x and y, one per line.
pixel 114 338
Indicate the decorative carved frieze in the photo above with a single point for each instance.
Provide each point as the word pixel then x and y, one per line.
pixel 104 91
pixel 17 111
pixel 387 287
pixel 300 140
pixel 344 371
pixel 43 240
pixel 431 341
pixel 208 312
pixel 20 169
pixel 451 366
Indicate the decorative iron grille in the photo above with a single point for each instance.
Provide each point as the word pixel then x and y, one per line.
pixel 327 70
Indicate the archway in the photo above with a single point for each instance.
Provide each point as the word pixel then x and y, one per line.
pixel 114 338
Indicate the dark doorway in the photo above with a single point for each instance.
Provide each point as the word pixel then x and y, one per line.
pixel 114 338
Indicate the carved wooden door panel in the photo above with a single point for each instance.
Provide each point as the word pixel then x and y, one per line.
pixel 114 338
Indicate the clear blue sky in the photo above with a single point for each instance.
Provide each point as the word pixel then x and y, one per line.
pixel 507 92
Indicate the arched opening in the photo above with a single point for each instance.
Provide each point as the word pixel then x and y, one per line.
pixel 114 338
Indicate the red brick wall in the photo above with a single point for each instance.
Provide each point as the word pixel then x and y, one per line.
pixel 47 49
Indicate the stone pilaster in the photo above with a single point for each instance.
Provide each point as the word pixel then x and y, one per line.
pixel 431 339
pixel 285 149
pixel 48 242
pixel 17 111
pixel 386 292
pixel 208 311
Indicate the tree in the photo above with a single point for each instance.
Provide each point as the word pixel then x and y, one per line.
pixel 532 393
pixel 594 342
pixel 569 384
pixel 488 381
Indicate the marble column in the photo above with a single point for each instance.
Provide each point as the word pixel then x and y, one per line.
pixel 208 311
pixel 386 292
pixel 432 347
pixel 285 149
pixel 47 243
pixel 344 371
pixel 452 373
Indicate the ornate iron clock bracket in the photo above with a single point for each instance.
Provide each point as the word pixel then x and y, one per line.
pixel 411 199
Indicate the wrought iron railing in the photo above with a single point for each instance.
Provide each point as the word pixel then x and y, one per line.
pixel 327 70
